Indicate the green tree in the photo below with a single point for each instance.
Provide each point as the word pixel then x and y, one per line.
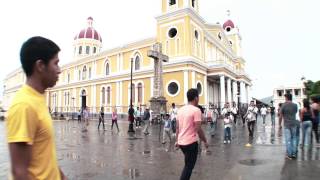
pixel 312 88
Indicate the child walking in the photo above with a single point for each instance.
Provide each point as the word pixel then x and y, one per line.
pixel 166 129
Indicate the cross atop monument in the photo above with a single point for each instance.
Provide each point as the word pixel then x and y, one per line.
pixel 158 57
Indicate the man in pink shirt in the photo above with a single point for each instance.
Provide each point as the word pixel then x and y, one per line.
pixel 188 126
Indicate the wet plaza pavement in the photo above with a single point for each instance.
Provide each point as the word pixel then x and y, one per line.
pixel 118 156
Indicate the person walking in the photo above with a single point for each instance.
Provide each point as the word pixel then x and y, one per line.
pixel 146 119
pixel 29 127
pixel 306 117
pixel 79 116
pixel 315 106
pixel 272 114
pixel 101 118
pixel 166 129
pixel 288 113
pixel 243 111
pixel 173 117
pixel 251 117
pixel 188 127
pixel 227 120
pixel 114 119
pixel 138 117
pixel 263 111
pixel 234 112
pixel 86 119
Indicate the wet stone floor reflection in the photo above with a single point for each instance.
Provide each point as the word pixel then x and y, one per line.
pixel 120 156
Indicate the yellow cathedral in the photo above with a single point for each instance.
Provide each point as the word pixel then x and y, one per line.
pixel 201 55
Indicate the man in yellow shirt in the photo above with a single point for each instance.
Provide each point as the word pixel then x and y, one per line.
pixel 29 125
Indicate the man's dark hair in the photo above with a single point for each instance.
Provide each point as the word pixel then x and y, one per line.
pixel 173 104
pixel 36 48
pixel 288 96
pixel 192 94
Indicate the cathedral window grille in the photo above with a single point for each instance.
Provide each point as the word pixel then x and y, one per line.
pixel 87 49
pixel 84 72
pixel 139 93
pixel 107 69
pixel 94 50
pixel 137 63
pixel 193 3
pixel 172 2
pixel 80 49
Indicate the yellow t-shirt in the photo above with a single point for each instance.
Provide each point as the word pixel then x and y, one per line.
pixel 29 121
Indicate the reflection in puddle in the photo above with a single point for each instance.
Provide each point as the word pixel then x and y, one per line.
pixel 131 173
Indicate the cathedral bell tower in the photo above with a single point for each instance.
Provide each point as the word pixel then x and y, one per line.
pixel 175 27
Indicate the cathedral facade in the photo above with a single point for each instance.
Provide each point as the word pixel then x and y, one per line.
pixel 201 55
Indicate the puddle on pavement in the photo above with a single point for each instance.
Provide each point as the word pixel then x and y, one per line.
pixel 146 152
pixel 252 162
pixel 131 173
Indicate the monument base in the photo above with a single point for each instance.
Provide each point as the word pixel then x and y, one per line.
pixel 158 105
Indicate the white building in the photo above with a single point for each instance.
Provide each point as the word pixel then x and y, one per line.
pixel 297 91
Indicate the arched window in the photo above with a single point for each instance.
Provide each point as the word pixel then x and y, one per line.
pixel 83 92
pixel 172 2
pixel 107 69
pixel 84 72
pixel 68 77
pixel 193 3
pixel 89 72
pixel 137 63
pixel 140 93
pixel 87 49
pixel 103 95
pixel 94 50
pixel 80 49
pixel 108 95
pixel 79 76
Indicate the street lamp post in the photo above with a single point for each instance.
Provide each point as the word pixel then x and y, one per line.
pixel 73 109
pixel 131 110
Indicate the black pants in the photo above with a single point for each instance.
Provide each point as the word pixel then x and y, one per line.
pixel 190 157
pixel 315 130
pixel 79 118
pixel 251 127
pixel 114 122
pixel 234 118
pixel 101 120
pixel 138 121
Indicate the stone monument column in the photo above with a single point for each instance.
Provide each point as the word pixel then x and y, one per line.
pixel 158 102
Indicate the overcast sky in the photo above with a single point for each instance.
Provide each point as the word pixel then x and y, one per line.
pixel 279 37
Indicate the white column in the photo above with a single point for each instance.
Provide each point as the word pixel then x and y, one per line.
pixel 248 93
pixel 121 62
pixel 185 86
pixel 193 79
pixel 59 100
pixel 205 88
pixel 117 93
pixel 94 96
pixel 242 93
pixel 120 93
pixel 229 90
pixel 151 86
pixel 222 91
pixel 235 90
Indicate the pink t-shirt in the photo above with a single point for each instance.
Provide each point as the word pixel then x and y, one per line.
pixel 187 117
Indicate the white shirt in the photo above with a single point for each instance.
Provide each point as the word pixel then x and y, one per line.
pixel 173 113
pixel 264 111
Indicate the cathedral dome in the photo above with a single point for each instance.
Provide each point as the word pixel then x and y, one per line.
pixel 89 32
pixel 228 25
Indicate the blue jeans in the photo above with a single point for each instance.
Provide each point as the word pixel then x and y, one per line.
pixel 291 140
pixel 273 119
pixel 306 132
pixel 227 133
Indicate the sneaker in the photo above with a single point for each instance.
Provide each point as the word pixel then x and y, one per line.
pixel 229 142
pixel 288 157
pixel 163 142
pixel 224 142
